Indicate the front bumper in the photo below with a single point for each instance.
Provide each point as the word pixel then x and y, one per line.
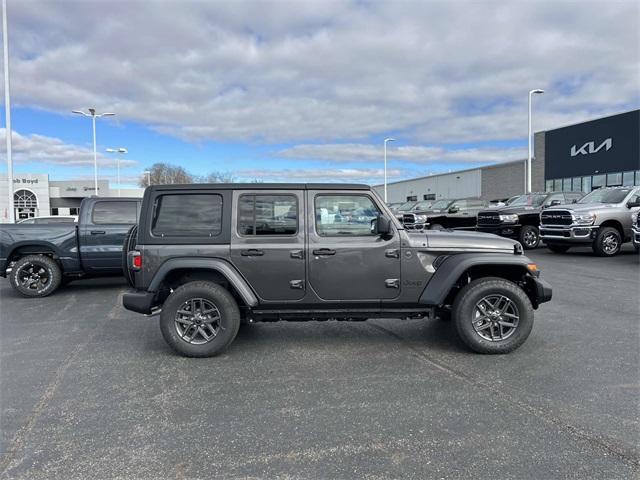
pixel 570 233
pixel 636 236
pixel 539 291
pixel 139 301
pixel 504 230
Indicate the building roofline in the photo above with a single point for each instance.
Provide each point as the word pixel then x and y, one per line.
pixel 589 121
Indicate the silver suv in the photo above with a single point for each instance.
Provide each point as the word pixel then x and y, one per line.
pixel 601 219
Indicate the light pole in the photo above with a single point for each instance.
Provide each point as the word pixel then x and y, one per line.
pixel 527 176
pixel 148 174
pixel 122 151
pixel 385 166
pixel 7 110
pixel 92 113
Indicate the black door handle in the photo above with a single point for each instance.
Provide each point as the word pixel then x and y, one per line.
pixel 98 232
pixel 252 252
pixel 324 251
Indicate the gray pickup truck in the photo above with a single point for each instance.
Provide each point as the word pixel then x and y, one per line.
pixel 38 258
pixel 601 219
pixel 206 257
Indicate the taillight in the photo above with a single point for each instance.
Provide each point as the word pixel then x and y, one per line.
pixel 136 260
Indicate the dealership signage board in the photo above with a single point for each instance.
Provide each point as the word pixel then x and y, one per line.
pixel 610 144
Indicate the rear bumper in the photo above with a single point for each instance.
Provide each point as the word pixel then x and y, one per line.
pixel 573 234
pixel 139 301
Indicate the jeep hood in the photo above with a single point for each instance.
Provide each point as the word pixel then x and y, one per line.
pixel 457 240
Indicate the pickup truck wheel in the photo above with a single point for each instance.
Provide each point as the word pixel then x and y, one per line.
pixel 555 248
pixel 492 315
pixel 607 243
pixel 529 237
pixel 200 319
pixel 35 276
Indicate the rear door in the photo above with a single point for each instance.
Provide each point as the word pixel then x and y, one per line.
pixel 267 242
pixel 346 261
pixel 102 234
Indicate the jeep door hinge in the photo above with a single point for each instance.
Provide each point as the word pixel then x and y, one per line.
pixel 392 253
pixel 296 253
pixel 392 283
pixel 297 284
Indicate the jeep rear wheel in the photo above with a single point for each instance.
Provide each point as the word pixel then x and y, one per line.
pixel 35 276
pixel 200 319
pixel 529 237
pixel 492 315
pixel 608 242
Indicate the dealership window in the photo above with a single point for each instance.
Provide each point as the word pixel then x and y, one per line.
pixel 344 215
pixel 598 181
pixel 627 178
pixel 614 179
pixel 114 213
pixel 429 196
pixel 74 211
pixel 54 211
pixel 194 215
pixel 549 185
pixel 586 184
pixel 637 177
pixel 267 215
pixel 412 198
pixel 557 185
pixel 576 184
pixel 566 184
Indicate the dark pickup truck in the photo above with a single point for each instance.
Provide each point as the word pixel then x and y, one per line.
pixel 38 258
pixel 442 214
pixel 521 218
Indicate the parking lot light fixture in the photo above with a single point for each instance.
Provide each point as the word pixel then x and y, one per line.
pixel 119 151
pixel 148 174
pixel 386 140
pixel 91 112
pixel 527 175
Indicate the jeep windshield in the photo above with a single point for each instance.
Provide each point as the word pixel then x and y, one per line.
pixel 606 196
pixel 532 200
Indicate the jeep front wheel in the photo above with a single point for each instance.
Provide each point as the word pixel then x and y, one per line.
pixel 200 319
pixel 607 243
pixel 529 237
pixel 492 315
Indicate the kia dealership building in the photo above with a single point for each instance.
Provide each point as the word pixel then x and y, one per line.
pixel 581 157
pixel 35 195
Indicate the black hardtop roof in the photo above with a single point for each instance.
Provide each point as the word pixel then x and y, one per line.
pixel 261 186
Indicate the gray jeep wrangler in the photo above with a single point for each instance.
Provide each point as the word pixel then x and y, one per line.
pixel 208 257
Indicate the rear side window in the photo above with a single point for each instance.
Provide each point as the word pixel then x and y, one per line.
pixel 114 213
pixel 192 215
pixel 267 215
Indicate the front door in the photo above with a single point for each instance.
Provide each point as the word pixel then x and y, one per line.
pixel 346 261
pixel 267 242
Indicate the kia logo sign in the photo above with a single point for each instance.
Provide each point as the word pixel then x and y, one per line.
pixel 590 147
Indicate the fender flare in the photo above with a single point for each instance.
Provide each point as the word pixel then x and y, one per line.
pixel 452 268
pixel 214 264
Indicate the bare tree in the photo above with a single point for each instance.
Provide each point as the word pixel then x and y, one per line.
pixel 164 174
pixel 216 177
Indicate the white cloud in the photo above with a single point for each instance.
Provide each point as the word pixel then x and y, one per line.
pixel 51 150
pixel 431 72
pixel 356 152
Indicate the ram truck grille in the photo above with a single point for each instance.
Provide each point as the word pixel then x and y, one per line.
pixel 556 217
pixel 488 218
pixel 408 219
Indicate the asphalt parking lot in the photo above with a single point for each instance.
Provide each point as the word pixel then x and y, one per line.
pixel 90 390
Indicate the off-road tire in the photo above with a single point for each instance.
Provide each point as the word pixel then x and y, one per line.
pixel 529 237
pixel 48 264
pixel 600 248
pixel 465 304
pixel 220 298
pixel 556 248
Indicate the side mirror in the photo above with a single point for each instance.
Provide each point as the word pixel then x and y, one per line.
pixel 554 203
pixel 381 225
pixel 633 204
pixel 454 209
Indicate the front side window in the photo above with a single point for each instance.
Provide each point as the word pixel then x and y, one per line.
pixel 115 213
pixel 267 215
pixel 190 215
pixel 344 214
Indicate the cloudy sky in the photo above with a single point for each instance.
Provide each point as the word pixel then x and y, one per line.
pixel 308 90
